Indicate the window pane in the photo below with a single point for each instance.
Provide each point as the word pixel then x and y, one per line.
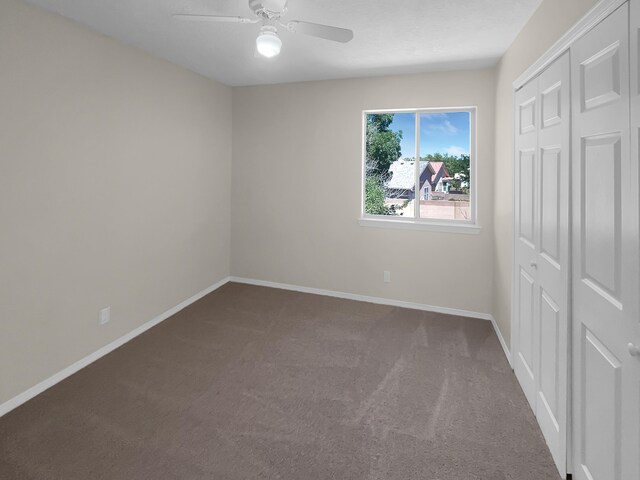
pixel 446 181
pixel 390 164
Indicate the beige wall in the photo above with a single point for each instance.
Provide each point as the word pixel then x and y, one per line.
pixel 114 190
pixel 296 192
pixel 552 19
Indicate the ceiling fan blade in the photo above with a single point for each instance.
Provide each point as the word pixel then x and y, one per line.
pixel 214 18
pixel 327 32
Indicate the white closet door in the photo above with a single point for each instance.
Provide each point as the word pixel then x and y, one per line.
pixel 631 448
pixel 552 259
pixel 606 380
pixel 526 328
pixel 541 278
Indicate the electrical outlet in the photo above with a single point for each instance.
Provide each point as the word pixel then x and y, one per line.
pixel 104 316
pixel 387 276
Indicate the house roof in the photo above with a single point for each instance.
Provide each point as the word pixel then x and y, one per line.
pixel 436 166
pixel 403 174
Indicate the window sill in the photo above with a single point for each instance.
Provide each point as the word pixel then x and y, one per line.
pixel 444 227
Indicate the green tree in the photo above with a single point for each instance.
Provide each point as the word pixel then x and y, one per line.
pixel 382 149
pixel 383 144
pixel 374 197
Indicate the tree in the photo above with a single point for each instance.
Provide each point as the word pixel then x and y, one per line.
pixel 374 197
pixel 383 144
pixel 454 164
pixel 382 149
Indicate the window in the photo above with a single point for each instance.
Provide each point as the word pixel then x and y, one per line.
pixel 428 151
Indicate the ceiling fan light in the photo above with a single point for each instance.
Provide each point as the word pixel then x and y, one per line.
pixel 268 44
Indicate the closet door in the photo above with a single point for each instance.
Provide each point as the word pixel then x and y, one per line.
pixel 632 447
pixel 606 376
pixel 552 259
pixel 525 334
pixel 541 277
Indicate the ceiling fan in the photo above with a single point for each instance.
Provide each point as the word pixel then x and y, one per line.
pixel 269 12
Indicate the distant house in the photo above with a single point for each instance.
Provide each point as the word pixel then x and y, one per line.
pixel 433 176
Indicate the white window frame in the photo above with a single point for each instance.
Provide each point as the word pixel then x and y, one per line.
pixel 469 226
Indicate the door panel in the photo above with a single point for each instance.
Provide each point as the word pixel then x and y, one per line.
pixel 549 398
pixel 552 259
pixel 527 200
pixel 527 115
pixel 550 176
pixel 540 338
pixel 600 235
pixel 525 340
pixel 600 410
pixel 551 101
pixel 606 401
pixel 600 76
pixel 631 449
pixel 549 358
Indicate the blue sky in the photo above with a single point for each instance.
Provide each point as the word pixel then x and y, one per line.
pixel 439 132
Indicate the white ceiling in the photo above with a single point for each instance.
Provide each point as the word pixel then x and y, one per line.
pixel 390 36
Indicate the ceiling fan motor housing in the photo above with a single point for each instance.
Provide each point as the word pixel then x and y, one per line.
pixel 269 9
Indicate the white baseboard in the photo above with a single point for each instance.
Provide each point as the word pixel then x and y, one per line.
pixel 507 353
pixel 382 301
pixel 364 298
pixel 27 395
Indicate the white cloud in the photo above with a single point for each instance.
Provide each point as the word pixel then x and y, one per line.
pixel 448 126
pixel 439 122
pixel 456 151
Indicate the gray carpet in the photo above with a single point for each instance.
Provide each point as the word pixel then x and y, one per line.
pixel 258 383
